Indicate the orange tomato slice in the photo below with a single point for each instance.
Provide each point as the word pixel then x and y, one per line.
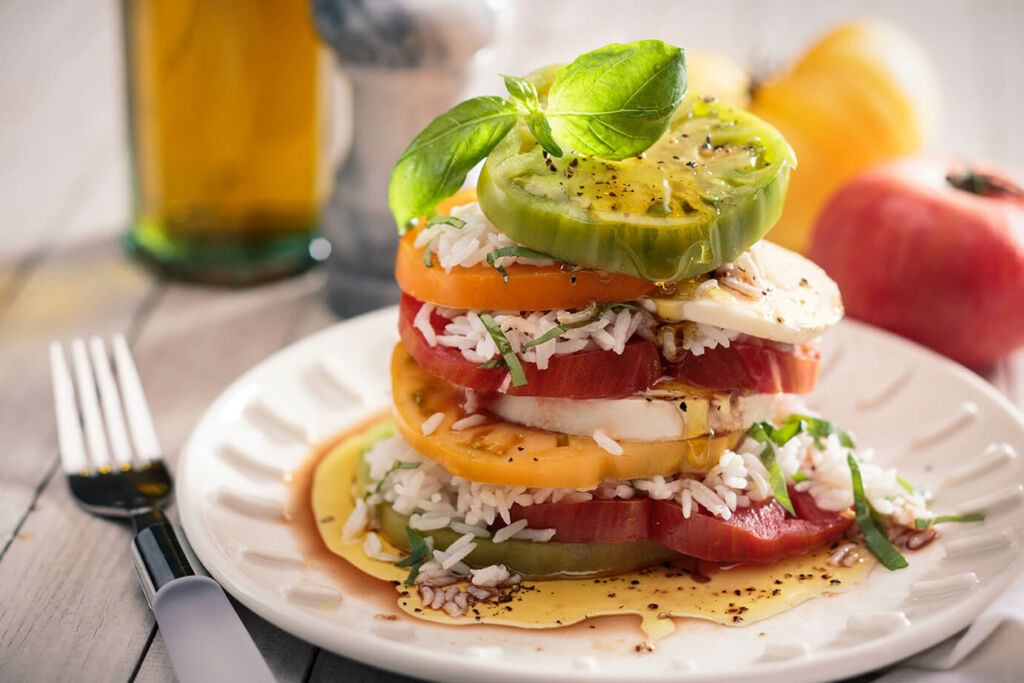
pixel 510 454
pixel 529 288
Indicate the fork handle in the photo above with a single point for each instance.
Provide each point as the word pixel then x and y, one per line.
pixel 203 634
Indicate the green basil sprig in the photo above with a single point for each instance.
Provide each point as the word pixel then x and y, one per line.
pixel 508 355
pixel 762 432
pixel 929 522
pixel 512 251
pixel 419 553
pixel 613 103
pixel 874 536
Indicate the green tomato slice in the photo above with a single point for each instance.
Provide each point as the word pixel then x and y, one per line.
pixel 532 560
pixel 711 187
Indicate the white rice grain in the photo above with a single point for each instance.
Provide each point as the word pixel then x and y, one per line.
pixel 468 422
pixel 507 532
pixel 607 443
pixel 431 424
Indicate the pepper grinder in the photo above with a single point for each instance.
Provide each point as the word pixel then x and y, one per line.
pixel 408 61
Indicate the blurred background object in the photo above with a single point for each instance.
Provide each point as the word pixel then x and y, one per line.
pixel 407 61
pixel 933 249
pixel 228 137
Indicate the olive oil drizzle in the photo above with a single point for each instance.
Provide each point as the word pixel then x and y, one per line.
pixel 659 595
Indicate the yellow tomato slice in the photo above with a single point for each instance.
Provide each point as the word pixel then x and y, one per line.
pixel 509 454
pixel 529 288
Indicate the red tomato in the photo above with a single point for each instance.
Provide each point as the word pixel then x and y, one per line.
pixel 762 532
pixel 595 521
pixel 582 375
pixel 933 250
pixel 751 364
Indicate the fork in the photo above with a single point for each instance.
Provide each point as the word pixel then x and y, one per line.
pixel 204 636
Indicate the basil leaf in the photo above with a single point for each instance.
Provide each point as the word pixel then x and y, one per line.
pixel 418 554
pixel 762 432
pixel 512 251
pixel 436 162
pixel 616 101
pixel 457 223
pixel 492 363
pixel 929 522
pixel 541 129
pixel 515 368
pixel 873 536
pixel 427 261
pixel 522 91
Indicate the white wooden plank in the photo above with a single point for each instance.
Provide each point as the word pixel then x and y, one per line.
pixel 60 105
pixel 89 290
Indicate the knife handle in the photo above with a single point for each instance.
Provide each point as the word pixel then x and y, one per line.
pixel 204 636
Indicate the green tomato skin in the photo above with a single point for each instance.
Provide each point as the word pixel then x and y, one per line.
pixel 553 559
pixel 655 218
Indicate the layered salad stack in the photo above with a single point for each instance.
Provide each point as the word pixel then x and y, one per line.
pixel 601 361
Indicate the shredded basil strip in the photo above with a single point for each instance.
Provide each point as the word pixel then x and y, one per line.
pixel 559 330
pixel 761 432
pixel 396 466
pixel 515 368
pixel 512 251
pixel 799 477
pixel 817 428
pixel 873 536
pixel 929 522
pixel 418 554
pixel 492 363
pixel 911 489
pixel 426 258
pixel 457 223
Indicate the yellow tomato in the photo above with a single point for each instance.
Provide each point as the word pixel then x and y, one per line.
pixel 863 93
pixel 513 455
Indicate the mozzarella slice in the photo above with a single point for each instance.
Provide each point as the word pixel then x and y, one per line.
pixel 639 418
pixel 798 302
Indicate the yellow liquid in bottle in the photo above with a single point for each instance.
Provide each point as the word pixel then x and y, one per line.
pixel 227 122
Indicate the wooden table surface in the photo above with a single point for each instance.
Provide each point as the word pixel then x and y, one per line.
pixel 70 604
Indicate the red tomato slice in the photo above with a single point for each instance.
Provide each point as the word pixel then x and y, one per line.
pixel 582 375
pixel 750 364
pixel 594 521
pixel 762 532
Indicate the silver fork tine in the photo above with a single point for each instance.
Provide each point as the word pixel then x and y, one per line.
pixel 69 431
pixel 140 422
pixel 112 415
pixel 99 454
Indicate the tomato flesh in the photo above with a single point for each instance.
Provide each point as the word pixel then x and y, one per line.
pixel 581 375
pixel 529 288
pixel 761 532
pixel 749 364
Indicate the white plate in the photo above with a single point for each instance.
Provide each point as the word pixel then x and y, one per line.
pixel 928 415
